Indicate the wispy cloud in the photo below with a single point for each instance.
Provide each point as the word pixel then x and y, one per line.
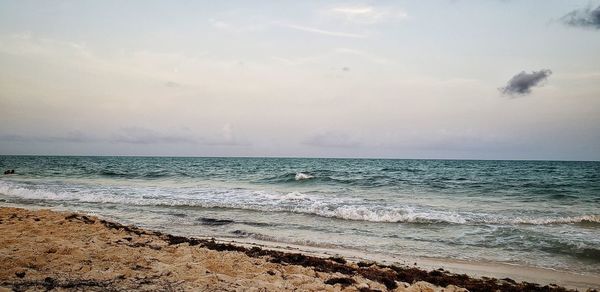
pixel 522 83
pixel 586 17
pixel 322 31
pixel 366 14
pixel 362 54
pixel 331 54
pixel 234 27
pixel 297 61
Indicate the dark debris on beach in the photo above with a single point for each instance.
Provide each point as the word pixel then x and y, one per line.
pixel 135 284
pixel 388 275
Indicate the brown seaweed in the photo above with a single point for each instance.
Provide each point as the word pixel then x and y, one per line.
pixel 386 275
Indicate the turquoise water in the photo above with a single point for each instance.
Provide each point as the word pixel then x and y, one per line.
pixel 534 213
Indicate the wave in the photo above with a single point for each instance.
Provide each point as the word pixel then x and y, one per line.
pixel 247 234
pixel 220 222
pixel 381 214
pixel 112 173
pixel 179 215
pixel 263 237
pixel 289 177
pixel 302 176
pixel 527 240
pixel 402 169
pixel 214 221
pixel 550 221
pixel 325 177
pixel 294 202
pixel 141 175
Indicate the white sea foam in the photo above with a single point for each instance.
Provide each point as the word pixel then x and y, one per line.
pixel 381 214
pixel 295 202
pixel 283 239
pixel 303 176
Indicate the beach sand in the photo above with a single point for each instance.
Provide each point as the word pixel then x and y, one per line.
pixel 45 250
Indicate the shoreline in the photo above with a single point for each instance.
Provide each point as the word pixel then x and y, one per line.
pixel 44 248
pixel 478 269
pixel 519 273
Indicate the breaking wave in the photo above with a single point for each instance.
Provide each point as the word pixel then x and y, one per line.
pixel 302 176
pixel 294 202
pixel 290 177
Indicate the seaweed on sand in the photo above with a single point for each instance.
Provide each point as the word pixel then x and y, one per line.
pixel 384 274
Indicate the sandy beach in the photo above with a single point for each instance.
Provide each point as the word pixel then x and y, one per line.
pixel 49 250
pixel 300 145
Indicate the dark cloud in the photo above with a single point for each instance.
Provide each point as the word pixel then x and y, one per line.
pixel 587 17
pixel 332 139
pixel 522 83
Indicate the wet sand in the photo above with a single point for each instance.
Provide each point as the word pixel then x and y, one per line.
pixel 48 250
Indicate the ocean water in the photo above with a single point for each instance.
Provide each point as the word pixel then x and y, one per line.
pixel 533 213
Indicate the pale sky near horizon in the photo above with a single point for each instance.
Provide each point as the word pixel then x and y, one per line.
pixel 389 79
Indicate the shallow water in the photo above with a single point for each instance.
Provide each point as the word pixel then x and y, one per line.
pixel 535 213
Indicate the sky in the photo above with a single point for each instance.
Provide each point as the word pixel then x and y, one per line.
pixel 449 79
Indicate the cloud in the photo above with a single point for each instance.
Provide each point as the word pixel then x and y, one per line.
pixel 224 136
pixel 136 135
pixel 586 17
pixel 70 137
pixel 332 139
pixel 362 54
pixel 235 28
pixel 522 83
pixel 322 31
pixel 365 14
pixel 330 55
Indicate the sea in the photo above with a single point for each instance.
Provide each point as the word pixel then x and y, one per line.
pixel 542 214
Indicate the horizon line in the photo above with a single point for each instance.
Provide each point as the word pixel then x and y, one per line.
pixel 296 157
